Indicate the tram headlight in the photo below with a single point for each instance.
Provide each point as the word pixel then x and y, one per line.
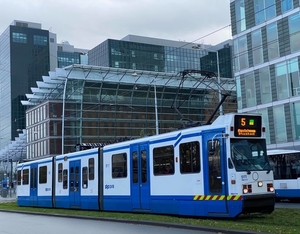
pixel 247 188
pixel 259 183
pixel 270 187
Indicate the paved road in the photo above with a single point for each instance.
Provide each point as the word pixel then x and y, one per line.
pixel 15 223
pixel 287 204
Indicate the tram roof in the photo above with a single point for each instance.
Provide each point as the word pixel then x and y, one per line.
pixel 52 86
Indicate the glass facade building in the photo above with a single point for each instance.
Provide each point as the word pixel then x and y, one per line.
pixel 24 59
pixel 266 36
pixel 91 104
pixel 68 55
pixel 27 52
pixel 209 62
pixel 149 54
pixel 114 96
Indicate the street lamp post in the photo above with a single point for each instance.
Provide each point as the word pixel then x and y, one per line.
pixel 155 103
pixel 156 113
pixel 219 82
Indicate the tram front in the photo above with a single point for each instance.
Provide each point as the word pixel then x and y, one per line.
pixel 250 174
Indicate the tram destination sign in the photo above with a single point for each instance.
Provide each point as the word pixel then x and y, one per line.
pixel 247 126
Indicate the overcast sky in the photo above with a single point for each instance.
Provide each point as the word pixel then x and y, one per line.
pixel 87 23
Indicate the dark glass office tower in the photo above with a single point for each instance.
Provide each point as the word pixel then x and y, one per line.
pixel 24 59
pixel 209 62
pixel 148 54
pixel 27 52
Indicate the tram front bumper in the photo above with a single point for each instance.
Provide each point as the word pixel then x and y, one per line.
pixel 264 203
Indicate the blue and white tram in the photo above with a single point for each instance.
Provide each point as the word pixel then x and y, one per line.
pixel 217 170
pixel 286 168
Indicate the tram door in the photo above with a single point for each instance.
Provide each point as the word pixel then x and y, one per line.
pixel 214 169
pixel 140 179
pixel 74 188
pixel 33 183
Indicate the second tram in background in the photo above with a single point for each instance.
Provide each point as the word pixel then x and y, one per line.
pixel 286 169
pixel 216 170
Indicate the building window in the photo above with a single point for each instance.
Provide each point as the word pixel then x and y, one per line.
pixel 279 124
pixel 286 5
pixel 241 53
pixel 250 89
pixel 293 74
pixel 19 37
pixel 265 85
pixel 40 40
pixel 134 66
pixel 295 109
pixel 20 24
pixel 281 81
pixel 264 10
pixel 265 116
pixel 239 92
pixel 294 28
pixel 257 49
pixel 240 15
pixel 272 41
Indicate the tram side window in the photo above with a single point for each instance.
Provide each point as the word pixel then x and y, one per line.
pixel 285 166
pixel 65 179
pixel 60 170
pixel 163 160
pixel 119 165
pixel 26 176
pixel 85 177
pixel 19 177
pixel 91 169
pixel 189 157
pixel 43 175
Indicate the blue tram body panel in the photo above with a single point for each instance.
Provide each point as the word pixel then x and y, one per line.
pixel 288 193
pixel 176 173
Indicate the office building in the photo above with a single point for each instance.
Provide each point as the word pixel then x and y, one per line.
pixel 266 36
pixel 159 55
pixel 99 104
pixel 27 52
pixel 91 104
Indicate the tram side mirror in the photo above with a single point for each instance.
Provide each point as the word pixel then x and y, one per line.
pixel 211 147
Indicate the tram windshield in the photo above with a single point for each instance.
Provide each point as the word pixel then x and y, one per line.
pixel 249 155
